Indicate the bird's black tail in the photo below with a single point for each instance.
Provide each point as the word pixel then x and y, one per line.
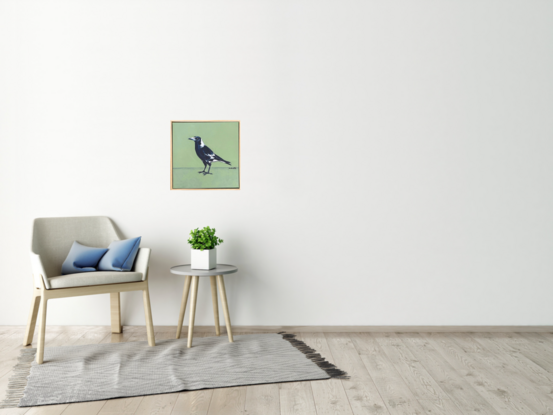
pixel 220 159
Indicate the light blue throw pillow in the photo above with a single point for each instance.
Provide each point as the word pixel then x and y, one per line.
pixel 120 255
pixel 82 258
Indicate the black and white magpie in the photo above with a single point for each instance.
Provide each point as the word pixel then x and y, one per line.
pixel 205 154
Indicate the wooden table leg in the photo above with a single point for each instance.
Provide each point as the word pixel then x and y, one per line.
pixel 183 304
pixel 215 304
pixel 223 293
pixel 194 296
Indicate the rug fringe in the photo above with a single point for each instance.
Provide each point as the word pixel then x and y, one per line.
pixel 18 381
pixel 315 357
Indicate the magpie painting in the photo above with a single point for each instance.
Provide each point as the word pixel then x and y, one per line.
pixel 206 155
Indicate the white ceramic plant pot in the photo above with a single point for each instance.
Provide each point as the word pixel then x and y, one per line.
pixel 206 259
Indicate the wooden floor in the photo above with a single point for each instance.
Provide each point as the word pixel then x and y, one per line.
pixel 391 373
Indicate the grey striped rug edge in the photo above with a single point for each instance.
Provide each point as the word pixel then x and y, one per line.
pixel 22 370
pixel 18 381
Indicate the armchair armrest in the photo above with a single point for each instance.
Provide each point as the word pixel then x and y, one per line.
pixel 39 274
pixel 142 261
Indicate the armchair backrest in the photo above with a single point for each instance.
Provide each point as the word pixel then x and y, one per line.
pixel 52 237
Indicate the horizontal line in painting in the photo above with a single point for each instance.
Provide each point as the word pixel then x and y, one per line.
pixel 194 168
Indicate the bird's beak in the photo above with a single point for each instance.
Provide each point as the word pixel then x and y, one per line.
pixel 192 138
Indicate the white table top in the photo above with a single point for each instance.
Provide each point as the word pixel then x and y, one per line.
pixel 221 269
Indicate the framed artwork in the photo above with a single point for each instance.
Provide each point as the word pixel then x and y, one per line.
pixel 205 155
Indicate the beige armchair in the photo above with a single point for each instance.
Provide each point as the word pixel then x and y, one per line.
pixel 51 241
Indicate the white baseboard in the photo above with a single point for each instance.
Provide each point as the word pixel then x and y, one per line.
pixel 337 329
pixel 374 329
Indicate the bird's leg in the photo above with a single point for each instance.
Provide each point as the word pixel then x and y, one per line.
pixel 208 170
pixel 203 171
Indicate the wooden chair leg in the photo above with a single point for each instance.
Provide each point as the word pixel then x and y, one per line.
pixel 183 304
pixel 149 321
pixel 193 298
pixel 215 304
pixel 223 293
pixel 115 306
pixel 42 330
pixel 31 324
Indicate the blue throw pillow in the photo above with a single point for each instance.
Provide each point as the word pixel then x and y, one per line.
pixel 82 259
pixel 120 255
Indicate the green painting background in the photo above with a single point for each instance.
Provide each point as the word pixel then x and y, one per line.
pixel 222 138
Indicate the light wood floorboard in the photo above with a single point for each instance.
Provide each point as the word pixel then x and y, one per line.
pixel 193 402
pixel 489 384
pixel 419 381
pixel 263 399
pixel 467 399
pixel 228 401
pixel 512 373
pixel 539 377
pixel 392 386
pixel 411 373
pixel 296 398
pixel 329 395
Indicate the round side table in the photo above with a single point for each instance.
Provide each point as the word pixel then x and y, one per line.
pixel 193 277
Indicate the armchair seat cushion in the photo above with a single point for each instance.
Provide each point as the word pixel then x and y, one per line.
pixel 93 278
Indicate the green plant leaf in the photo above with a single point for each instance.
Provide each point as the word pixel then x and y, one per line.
pixel 204 238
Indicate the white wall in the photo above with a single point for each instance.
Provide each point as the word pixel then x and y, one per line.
pixel 397 156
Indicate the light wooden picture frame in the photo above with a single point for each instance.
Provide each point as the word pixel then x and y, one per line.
pixel 205 155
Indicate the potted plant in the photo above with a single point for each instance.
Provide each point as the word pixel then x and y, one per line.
pixel 204 253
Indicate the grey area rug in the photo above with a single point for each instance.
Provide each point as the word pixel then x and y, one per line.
pixel 105 371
